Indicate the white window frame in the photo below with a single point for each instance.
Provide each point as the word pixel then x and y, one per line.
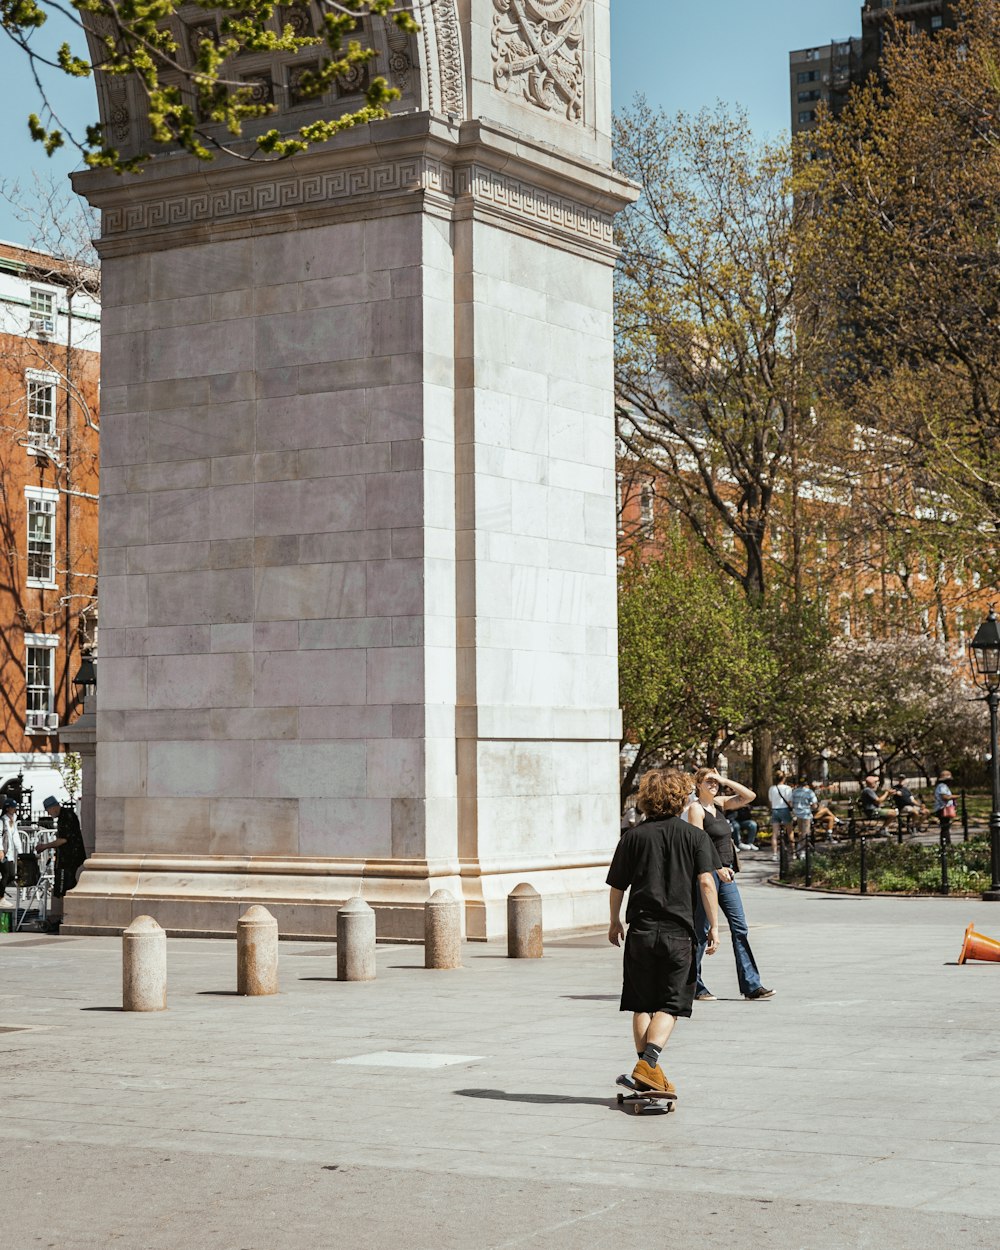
pixel 50 723
pixel 43 310
pixel 46 502
pixel 39 378
pixel 647 509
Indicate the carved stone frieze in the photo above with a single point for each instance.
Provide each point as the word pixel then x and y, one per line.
pixel 449 41
pixel 538 53
pixel 444 70
pixel 514 199
pixel 400 64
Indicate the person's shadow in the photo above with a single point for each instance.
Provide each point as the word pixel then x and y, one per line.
pixel 500 1095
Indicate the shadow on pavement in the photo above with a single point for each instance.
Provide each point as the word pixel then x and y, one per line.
pixel 500 1095
pixel 592 998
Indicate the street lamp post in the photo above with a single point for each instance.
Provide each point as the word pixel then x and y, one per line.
pixel 984 659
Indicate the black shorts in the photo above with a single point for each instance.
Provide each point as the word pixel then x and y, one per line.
pixel 660 969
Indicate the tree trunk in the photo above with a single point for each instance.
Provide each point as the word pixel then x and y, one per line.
pixel 631 774
pixel 763 762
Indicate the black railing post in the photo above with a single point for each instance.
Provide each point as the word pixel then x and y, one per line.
pixel 944 866
pixel 809 862
pixel 965 820
pixel 852 828
pixel 899 826
pixel 864 865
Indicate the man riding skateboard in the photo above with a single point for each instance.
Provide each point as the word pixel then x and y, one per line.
pixel 661 861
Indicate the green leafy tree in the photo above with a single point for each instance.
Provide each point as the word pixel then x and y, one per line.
pixel 694 668
pixel 899 231
pixel 799 707
pixel 195 98
pixel 713 370
pixel 712 376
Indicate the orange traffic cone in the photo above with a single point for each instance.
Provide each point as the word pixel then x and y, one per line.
pixel 976 946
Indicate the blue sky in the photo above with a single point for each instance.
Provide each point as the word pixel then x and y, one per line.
pixel 681 54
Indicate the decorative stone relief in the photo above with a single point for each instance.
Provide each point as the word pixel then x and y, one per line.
pixel 449 41
pixel 441 53
pixel 260 88
pixel 299 18
pixel 538 53
pixel 113 90
pixel 399 58
pixel 506 195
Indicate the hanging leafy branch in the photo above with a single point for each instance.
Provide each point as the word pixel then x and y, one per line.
pixel 195 103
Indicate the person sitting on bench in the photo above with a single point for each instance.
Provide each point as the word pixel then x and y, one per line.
pixel 872 802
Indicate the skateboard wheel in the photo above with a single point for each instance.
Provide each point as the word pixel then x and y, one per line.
pixel 621 1099
pixel 637 1108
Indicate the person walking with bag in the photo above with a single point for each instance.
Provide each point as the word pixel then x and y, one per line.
pixel 708 812
pixel 944 806
pixel 780 798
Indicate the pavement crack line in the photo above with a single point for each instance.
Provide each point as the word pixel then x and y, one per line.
pixel 554 1228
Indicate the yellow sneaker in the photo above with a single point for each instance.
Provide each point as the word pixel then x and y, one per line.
pixel 646 1077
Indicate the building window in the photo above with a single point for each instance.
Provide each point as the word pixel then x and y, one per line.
pixel 806 117
pixel 41 388
pixel 806 96
pixel 937 21
pixel 808 75
pixel 40 652
pixel 822 546
pixel 646 496
pixel 43 311
pixel 41 536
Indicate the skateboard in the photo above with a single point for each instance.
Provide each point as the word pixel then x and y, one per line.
pixel 644 1101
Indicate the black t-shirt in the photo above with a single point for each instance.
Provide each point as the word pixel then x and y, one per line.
pixel 903 797
pixel 658 862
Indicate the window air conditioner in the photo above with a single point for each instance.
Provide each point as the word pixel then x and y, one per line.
pixel 35 722
pixel 51 721
pixel 48 442
pixel 41 325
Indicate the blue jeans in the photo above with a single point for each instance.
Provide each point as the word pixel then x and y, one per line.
pixel 731 906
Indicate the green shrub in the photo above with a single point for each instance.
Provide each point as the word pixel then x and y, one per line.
pixel 909 869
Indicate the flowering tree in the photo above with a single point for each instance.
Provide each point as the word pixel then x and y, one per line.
pixel 901 701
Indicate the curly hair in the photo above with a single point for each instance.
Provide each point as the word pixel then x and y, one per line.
pixel 664 792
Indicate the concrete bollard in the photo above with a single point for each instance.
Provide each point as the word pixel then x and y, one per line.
pixel 355 941
pixel 256 952
pixel 524 923
pixel 442 931
pixel 144 966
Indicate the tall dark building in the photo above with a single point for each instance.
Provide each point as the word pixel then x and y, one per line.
pixel 825 74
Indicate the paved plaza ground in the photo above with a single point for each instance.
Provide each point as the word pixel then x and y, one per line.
pixel 858 1108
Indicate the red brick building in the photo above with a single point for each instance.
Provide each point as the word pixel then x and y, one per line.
pixel 49 375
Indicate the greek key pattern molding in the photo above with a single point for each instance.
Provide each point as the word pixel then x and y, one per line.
pixel 538 54
pixel 486 186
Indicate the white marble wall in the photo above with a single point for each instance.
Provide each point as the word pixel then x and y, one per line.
pixel 537 614
pixel 357 531
pixel 277 564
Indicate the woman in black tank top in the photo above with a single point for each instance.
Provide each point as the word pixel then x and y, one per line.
pixel 708 811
